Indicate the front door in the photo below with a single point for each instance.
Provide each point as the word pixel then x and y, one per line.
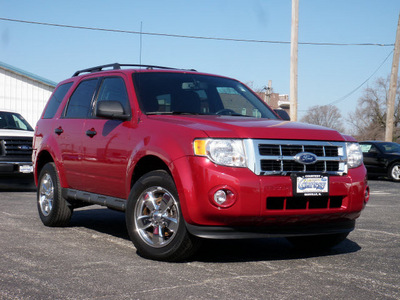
pixel 106 144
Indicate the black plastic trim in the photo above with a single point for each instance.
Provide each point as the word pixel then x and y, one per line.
pixel 92 198
pixel 223 232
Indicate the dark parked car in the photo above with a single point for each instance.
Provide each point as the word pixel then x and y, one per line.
pixel 382 158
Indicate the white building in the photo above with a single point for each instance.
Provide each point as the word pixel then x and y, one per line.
pixel 24 92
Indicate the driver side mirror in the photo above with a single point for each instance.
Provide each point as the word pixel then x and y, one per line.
pixel 111 109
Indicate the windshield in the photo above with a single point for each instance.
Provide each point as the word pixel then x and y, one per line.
pixel 390 147
pixel 187 93
pixel 9 120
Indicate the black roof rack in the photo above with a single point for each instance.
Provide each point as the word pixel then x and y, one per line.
pixel 117 66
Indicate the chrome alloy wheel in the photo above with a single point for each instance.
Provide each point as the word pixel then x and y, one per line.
pixel 396 172
pixel 157 217
pixel 46 195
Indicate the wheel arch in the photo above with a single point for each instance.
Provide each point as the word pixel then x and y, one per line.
pixel 147 164
pixel 42 159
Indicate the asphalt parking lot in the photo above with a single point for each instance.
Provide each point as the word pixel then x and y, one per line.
pixel 93 258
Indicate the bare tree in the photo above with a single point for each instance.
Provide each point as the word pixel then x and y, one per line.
pixel 325 115
pixel 369 119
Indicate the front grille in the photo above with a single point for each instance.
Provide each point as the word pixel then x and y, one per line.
pixel 277 157
pixel 16 147
pixel 295 203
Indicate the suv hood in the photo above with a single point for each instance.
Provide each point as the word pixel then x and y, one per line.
pixel 244 127
pixel 16 133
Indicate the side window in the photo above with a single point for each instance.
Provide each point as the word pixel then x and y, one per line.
pixel 79 103
pixel 56 100
pixel 113 88
pixel 365 148
pixel 373 149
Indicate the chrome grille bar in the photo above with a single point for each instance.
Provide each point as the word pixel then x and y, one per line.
pixel 276 157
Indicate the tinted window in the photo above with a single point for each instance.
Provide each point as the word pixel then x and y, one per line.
pixel 56 100
pixel 9 120
pixel 390 147
pixel 368 148
pixel 79 103
pixel 188 93
pixel 113 88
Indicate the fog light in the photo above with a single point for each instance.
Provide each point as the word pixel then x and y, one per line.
pixel 222 196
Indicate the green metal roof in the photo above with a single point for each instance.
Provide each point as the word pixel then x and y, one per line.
pixel 27 74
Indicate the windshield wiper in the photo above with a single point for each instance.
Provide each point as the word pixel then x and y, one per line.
pixel 172 113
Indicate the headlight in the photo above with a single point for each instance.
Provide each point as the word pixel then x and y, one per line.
pixel 224 152
pixel 354 155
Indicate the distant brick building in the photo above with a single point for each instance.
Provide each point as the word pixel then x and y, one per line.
pixel 276 101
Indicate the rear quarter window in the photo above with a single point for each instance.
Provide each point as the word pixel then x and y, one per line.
pixel 55 100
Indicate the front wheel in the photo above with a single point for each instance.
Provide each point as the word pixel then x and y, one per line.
pixel 154 220
pixel 394 172
pixel 318 242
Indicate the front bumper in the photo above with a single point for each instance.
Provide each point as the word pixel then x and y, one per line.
pixel 15 168
pixel 198 178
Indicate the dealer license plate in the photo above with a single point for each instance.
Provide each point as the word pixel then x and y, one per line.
pixel 311 185
pixel 25 169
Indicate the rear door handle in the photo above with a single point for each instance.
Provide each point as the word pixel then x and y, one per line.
pixel 91 133
pixel 58 130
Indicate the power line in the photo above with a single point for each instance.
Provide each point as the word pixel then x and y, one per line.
pixel 191 36
pixel 358 87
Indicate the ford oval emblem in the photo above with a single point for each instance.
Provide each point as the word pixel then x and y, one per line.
pixel 306 158
pixel 24 147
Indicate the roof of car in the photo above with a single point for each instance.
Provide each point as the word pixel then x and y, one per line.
pixel 376 142
pixel 8 110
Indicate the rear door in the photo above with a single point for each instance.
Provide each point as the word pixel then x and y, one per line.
pixel 69 132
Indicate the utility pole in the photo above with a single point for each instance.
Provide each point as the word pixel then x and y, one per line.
pixel 268 92
pixel 293 60
pixel 393 87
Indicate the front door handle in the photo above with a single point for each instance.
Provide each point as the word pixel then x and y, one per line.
pixel 58 130
pixel 91 133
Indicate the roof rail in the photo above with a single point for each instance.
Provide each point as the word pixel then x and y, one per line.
pixel 117 66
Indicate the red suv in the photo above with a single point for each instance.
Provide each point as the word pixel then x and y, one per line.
pixel 187 156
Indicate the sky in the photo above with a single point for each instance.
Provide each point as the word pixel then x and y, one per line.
pixel 326 73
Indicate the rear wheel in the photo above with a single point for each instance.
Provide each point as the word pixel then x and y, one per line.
pixel 318 242
pixel 53 209
pixel 154 219
pixel 394 172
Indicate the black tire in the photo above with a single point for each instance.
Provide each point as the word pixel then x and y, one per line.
pixel 154 219
pixel 318 242
pixel 54 210
pixel 394 172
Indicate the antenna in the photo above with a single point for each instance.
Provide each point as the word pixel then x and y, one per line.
pixel 140 50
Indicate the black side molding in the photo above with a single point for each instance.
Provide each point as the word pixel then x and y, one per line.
pixel 92 198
